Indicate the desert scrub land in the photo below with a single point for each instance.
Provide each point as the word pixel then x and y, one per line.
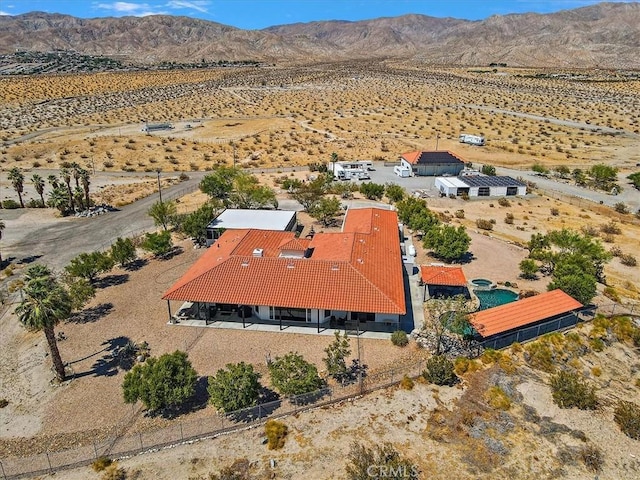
pixel 281 116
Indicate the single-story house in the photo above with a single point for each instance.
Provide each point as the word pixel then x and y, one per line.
pixel 434 163
pixel 525 319
pixel 480 186
pixel 442 281
pixel 344 278
pixel 238 218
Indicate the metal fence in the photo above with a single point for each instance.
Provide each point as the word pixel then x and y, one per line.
pixel 186 430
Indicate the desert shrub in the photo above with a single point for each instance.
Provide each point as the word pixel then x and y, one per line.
pixel 497 398
pixel 508 218
pixel 539 355
pixel 3 402
pixel 589 231
pixel 276 433
pixel 503 202
pixel 621 207
pixel 596 371
pixel 378 463
pixel 407 383
pixel 569 390
pixel 611 293
pixel 10 204
pixel 628 260
pixel 484 224
pixel 459 213
pixel 596 344
pixel 616 251
pixel 627 416
pixel 113 472
pixel 612 228
pixel 592 458
pixel 440 371
pixel 490 356
pixel 399 338
pixel 555 212
pixel 100 463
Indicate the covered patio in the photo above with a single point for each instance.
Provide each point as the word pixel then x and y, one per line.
pixel 442 281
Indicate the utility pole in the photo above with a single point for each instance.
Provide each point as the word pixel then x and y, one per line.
pixel 437 138
pixel 159 186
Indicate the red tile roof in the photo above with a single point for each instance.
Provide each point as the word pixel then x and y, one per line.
pixel 440 275
pixel 353 270
pixel 432 157
pixel 522 312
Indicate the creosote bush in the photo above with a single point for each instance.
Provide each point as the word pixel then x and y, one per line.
pixel 497 398
pixel 100 463
pixel 569 390
pixel 592 458
pixel 627 416
pixel 399 338
pixel 440 371
pixel 276 433
pixel 407 383
pixel 484 224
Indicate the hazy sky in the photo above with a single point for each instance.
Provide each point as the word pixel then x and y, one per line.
pixel 256 14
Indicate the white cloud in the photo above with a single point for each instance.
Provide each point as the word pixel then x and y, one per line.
pixel 198 5
pixel 135 9
pixel 4 13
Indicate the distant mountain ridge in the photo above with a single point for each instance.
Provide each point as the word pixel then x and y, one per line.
pixel 605 35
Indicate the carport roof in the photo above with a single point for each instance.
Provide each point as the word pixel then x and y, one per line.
pixel 441 275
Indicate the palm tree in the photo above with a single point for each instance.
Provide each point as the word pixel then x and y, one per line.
pixel 58 198
pixel 84 177
pixel 45 304
pixel 17 180
pixel 38 184
pixel 53 181
pixel 66 177
pixel 76 172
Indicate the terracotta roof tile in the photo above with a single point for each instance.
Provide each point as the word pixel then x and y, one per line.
pixel 348 271
pixel 440 275
pixel 522 312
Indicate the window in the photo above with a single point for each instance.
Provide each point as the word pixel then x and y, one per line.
pixel 483 191
pixel 289 314
pixel 363 316
pixel 512 190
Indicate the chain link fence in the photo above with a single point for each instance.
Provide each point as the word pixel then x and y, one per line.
pixel 187 430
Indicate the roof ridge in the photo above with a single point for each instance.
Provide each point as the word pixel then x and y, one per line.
pixel 375 286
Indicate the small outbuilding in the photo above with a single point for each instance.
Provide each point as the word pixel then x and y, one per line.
pixel 442 281
pixel 525 319
pixel 238 218
pixel 480 186
pixel 434 163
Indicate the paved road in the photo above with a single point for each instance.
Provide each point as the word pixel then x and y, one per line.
pixel 56 242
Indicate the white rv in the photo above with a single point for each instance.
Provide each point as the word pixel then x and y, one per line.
pixel 472 139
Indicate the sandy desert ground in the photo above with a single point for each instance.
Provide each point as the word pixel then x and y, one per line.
pixel 295 116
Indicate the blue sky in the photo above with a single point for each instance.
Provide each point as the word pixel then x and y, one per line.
pixel 257 14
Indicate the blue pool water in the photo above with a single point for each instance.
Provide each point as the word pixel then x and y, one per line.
pixel 495 297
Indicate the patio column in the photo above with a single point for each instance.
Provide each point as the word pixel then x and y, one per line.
pixel 318 320
pixel 169 308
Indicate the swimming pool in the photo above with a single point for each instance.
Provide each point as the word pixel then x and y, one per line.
pixel 495 297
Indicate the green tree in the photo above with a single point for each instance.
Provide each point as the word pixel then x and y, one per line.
pixel 293 375
pixel 158 243
pixel 248 193
pixel 161 384
pixel 447 242
pixel 440 371
pixel 123 251
pixel 38 185
pixel 235 388
pixel 309 194
pixel 66 178
pixel 394 192
pixel 579 177
pixel 381 462
pixel 44 305
pixel 373 191
pixel 603 177
pixel 17 181
pixel 488 170
pixel 58 198
pixel 219 183
pixel 580 286
pixel 162 213
pixel 540 169
pixel 528 269
pixel 89 265
pixel 326 210
pixel 448 314
pixel 195 223
pixel 562 171
pixel 635 179
pixel 415 214
pixel 80 291
pixel 337 353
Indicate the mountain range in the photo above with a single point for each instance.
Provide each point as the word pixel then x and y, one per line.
pixel 605 35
